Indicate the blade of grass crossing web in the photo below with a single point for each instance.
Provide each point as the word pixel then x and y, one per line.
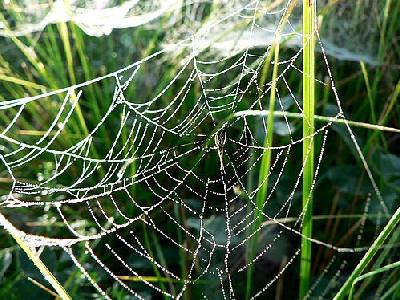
pixel 148 245
pixel 378 243
pixel 384 254
pixel 264 172
pixel 369 92
pixel 64 33
pixel 309 18
pixel 266 158
pixel 63 30
pixel 34 258
pixel 94 94
pixel 385 114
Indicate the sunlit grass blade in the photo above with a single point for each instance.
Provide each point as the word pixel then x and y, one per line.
pixel 22 82
pixel 309 18
pixel 385 114
pixel 369 92
pixel 264 172
pixel 34 258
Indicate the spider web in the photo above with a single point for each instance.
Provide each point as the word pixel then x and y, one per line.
pixel 345 36
pixel 164 146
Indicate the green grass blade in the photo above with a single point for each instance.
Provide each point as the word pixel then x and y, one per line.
pixel 333 120
pixel 392 291
pixel 373 273
pixel 369 92
pixel 378 243
pixel 264 174
pixel 266 158
pixel 18 237
pixel 309 18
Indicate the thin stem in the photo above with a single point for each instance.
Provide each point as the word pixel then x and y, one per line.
pixel 369 92
pixel 18 237
pixel 309 17
pixel 334 120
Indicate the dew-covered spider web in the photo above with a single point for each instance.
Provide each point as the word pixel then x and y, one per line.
pixel 344 32
pixel 147 182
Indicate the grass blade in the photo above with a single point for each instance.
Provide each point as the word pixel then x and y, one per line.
pixel 263 175
pixel 266 158
pixel 17 235
pixel 373 273
pixel 309 17
pixel 378 243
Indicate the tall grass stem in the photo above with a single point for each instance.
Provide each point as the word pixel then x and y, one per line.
pixel 309 18
pixel 266 157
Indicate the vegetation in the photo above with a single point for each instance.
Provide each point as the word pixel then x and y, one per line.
pixel 337 203
pixel 309 22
